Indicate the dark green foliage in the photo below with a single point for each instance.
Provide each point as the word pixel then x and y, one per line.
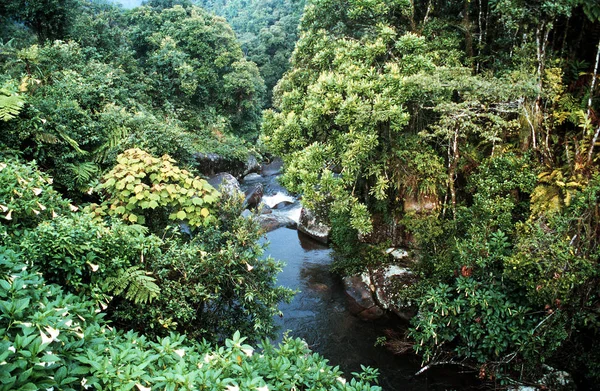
pixel 170 80
pixel 80 254
pixel 26 199
pixel 266 30
pixel 470 123
pixel 214 284
pixel 62 342
pixel 49 19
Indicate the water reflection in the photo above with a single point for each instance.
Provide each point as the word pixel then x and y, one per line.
pixel 318 314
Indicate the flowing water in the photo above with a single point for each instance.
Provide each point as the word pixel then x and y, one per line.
pixel 319 313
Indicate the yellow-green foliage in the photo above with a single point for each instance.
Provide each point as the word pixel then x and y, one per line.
pixel 554 191
pixel 141 182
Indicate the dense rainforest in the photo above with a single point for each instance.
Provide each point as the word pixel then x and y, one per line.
pixel 469 131
pixel 121 267
pixel 465 131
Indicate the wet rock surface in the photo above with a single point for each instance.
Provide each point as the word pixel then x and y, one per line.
pixel 253 195
pixel 252 165
pixel 310 225
pixel 271 222
pixel 374 293
pixel 360 299
pixel 225 183
pixel 273 168
pixel 282 205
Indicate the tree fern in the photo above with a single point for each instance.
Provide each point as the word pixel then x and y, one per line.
pixel 11 104
pixel 136 283
pixel 83 173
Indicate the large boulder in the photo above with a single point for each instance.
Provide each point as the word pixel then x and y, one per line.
pixel 225 183
pixel 273 168
pixel 360 298
pixel 312 226
pixel 263 209
pixel 252 165
pixel 376 292
pixel 271 222
pixel 282 205
pixel 253 196
pixel 386 283
pixel 252 177
pixel 210 164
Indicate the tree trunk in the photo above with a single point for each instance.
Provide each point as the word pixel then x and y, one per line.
pixel 467 27
pixel 452 164
pixel 589 108
pixel 481 36
pixel 589 105
pixel 429 8
pixel 413 25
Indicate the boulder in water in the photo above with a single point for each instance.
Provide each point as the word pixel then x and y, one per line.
pixel 271 222
pixel 225 183
pixel 360 297
pixel 252 165
pixel 252 177
pixel 310 225
pixel 386 282
pixel 379 288
pixel 253 196
pixel 263 209
pixel 273 168
pixel 282 204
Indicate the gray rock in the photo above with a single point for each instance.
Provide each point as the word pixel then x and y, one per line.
pixel 310 225
pixel 252 177
pixel 375 292
pixel 386 282
pixel 225 183
pixel 282 204
pixel 246 213
pixel 253 196
pixel 263 209
pixel 360 298
pixel 554 379
pixel 252 165
pixel 273 168
pixel 271 222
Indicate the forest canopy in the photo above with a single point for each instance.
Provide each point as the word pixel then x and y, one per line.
pixel 468 130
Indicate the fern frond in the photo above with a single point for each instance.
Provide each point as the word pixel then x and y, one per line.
pixel 10 105
pixel 47 138
pixel 83 172
pixel 74 144
pixel 138 286
pixel 115 138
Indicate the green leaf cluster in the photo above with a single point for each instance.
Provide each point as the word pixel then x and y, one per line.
pixel 140 182
pixel 62 342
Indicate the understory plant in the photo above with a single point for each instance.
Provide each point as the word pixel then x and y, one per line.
pixel 53 339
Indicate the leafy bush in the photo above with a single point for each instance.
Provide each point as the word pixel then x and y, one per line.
pixel 62 343
pixel 482 322
pixel 81 254
pixel 140 184
pixel 26 198
pixel 212 285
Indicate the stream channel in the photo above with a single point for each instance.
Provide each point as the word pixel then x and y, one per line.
pixel 318 313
